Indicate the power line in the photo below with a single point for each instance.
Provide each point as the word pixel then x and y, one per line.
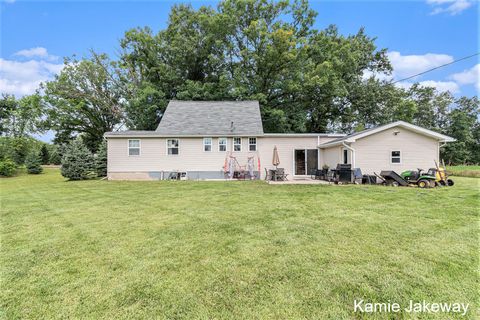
pixel 443 65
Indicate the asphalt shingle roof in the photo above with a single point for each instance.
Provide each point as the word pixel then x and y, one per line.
pixel 211 118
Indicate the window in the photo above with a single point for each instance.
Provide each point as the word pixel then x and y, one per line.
pixel 222 144
pixel 133 147
pixel 237 144
pixel 345 156
pixel 207 144
pixel 172 146
pixel 252 144
pixel 396 157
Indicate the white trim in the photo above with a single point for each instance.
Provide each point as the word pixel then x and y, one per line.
pixel 236 144
pixel 153 134
pixel 166 145
pixel 139 148
pixel 296 135
pixel 226 144
pixel 390 156
pixel 211 144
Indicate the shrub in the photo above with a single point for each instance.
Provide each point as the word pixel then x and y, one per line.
pixel 78 162
pixel 45 154
pixel 33 162
pixel 8 167
pixel 101 160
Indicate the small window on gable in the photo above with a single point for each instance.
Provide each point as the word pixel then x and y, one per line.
pixel 134 147
pixel 237 144
pixel 222 144
pixel 396 157
pixel 252 144
pixel 207 144
pixel 172 146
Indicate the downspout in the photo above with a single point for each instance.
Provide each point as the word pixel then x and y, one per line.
pixel 353 153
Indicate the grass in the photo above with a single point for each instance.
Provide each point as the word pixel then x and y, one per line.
pixel 232 250
pixel 464 171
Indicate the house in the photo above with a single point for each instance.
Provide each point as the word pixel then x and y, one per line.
pixel 204 139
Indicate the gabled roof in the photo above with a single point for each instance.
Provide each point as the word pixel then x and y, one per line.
pixel 211 118
pixel 365 133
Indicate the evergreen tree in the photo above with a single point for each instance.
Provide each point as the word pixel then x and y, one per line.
pixel 45 154
pixel 33 162
pixel 78 162
pixel 101 160
pixel 55 157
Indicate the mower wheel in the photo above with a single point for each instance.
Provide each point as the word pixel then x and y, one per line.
pixel 450 182
pixel 394 184
pixel 423 183
pixel 442 183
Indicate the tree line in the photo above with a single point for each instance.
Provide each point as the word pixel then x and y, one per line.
pixel 306 80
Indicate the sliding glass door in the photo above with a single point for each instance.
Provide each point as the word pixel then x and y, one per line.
pixel 306 160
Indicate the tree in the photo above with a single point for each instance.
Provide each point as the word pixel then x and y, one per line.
pixel 84 98
pixel 45 154
pixel 77 161
pixel 55 156
pixel 22 117
pixel 463 125
pixel 33 162
pixel 258 50
pixel 101 160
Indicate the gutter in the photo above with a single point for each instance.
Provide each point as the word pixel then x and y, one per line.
pixel 353 153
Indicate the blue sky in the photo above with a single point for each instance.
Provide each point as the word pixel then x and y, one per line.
pixel 418 35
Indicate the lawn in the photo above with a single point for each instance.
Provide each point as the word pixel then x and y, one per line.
pixel 464 171
pixel 232 250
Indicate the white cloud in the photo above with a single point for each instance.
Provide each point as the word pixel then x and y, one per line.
pixel 23 77
pixel 469 76
pixel 37 52
pixel 452 7
pixel 408 65
pixel 441 86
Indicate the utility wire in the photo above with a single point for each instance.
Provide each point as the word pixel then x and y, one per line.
pixel 443 65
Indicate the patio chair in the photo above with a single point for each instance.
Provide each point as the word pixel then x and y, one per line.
pixel 280 175
pixel 268 175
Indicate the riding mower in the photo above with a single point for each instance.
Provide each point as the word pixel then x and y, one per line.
pixel 422 180
pixel 407 178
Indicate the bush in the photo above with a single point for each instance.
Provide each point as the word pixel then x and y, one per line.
pixel 101 160
pixel 33 162
pixel 8 167
pixel 78 162
pixel 45 154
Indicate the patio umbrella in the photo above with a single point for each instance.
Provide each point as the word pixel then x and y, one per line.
pixel 276 158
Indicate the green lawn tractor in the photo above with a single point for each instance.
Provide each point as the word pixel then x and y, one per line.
pixel 422 180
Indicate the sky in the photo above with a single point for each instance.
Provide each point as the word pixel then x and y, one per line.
pixel 419 35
